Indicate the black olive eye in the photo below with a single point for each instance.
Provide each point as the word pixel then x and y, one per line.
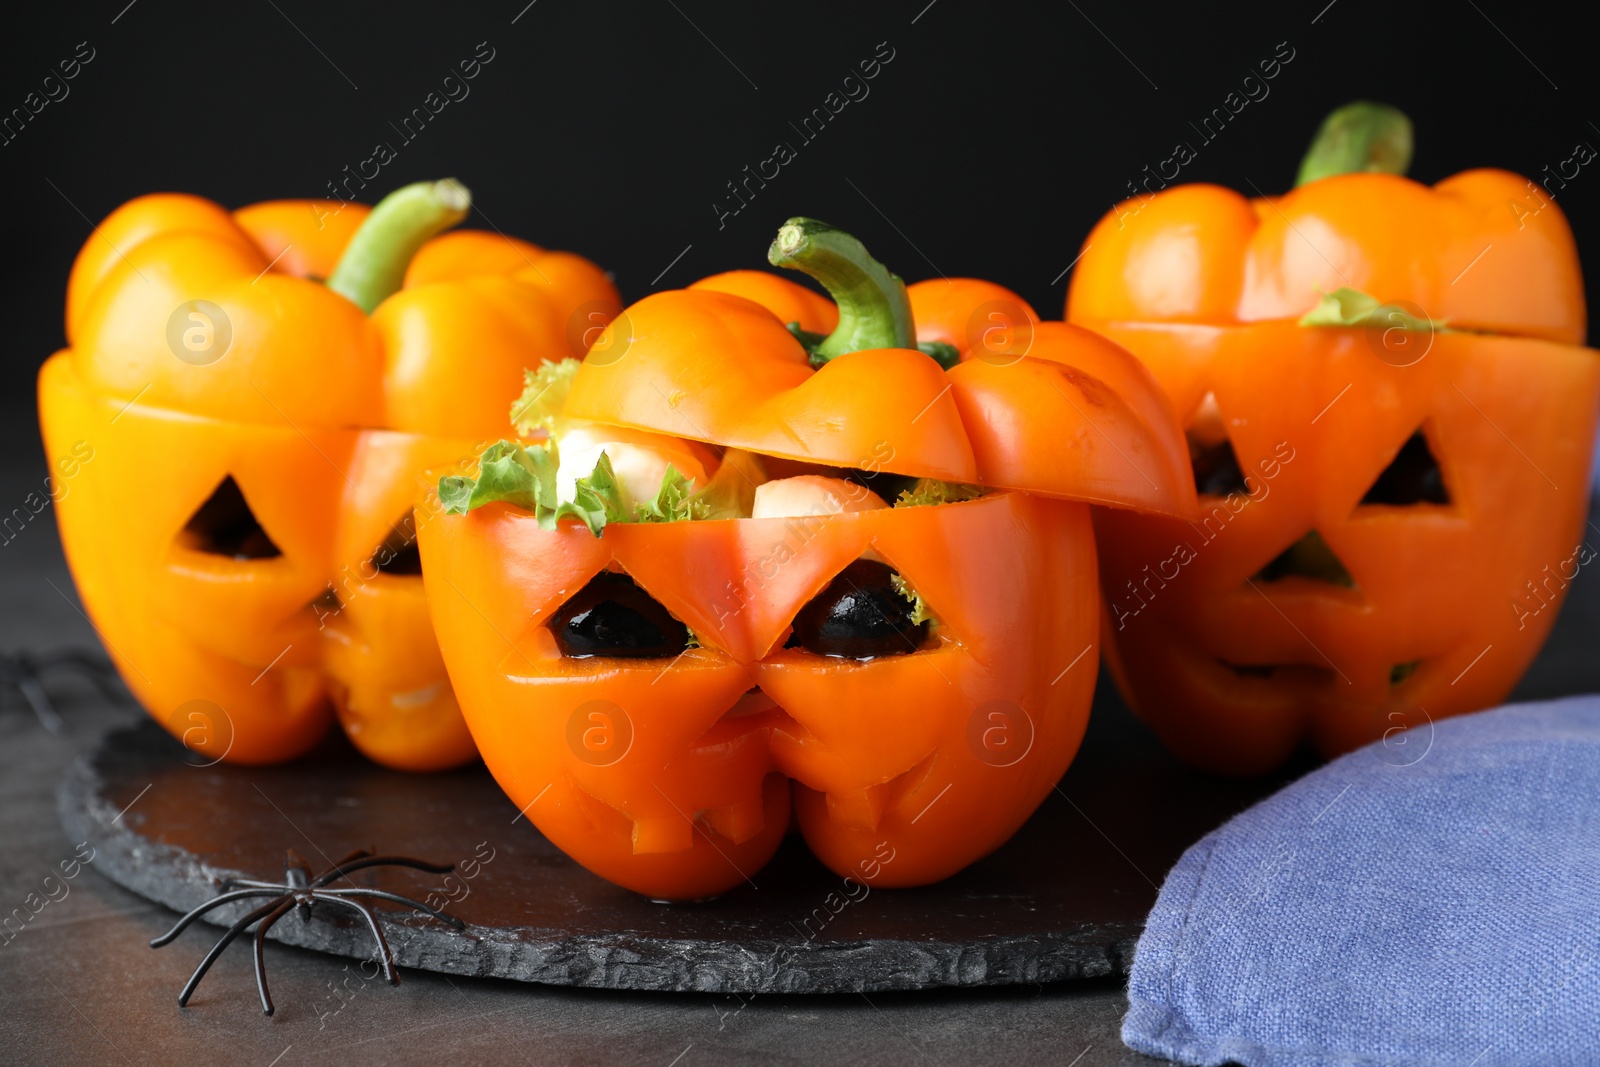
pixel 860 615
pixel 611 616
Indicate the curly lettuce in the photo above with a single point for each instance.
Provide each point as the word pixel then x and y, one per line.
pixel 929 491
pixel 544 390
pixel 919 609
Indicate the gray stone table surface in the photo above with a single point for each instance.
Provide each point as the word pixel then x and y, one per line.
pixel 80 985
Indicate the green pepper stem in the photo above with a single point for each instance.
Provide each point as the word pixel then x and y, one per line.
pixel 874 310
pixel 1362 136
pixel 374 263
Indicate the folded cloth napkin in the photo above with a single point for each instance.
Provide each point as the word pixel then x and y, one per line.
pixel 1430 899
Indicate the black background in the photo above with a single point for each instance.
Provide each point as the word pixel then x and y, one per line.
pixel 991 143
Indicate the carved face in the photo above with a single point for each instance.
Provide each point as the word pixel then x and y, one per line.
pixel 240 536
pixel 910 749
pixel 1380 545
pixel 667 768
pixel 211 593
pixel 1392 514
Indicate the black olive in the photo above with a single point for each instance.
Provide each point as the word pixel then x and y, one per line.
pixel 611 616
pixel 225 526
pixel 859 615
pixel 1413 478
pixel 1216 468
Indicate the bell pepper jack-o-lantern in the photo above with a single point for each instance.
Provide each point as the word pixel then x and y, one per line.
pixel 1391 419
pixel 871 595
pixel 242 538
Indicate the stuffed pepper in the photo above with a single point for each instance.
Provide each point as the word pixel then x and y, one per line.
pixel 1390 417
pixel 259 390
pixel 780 549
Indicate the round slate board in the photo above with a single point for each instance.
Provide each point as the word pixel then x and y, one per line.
pixel 1064 899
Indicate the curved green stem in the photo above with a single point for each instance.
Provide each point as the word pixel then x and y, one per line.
pixel 874 310
pixel 1362 136
pixel 374 263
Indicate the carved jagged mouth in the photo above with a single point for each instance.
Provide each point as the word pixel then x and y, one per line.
pixel 753 702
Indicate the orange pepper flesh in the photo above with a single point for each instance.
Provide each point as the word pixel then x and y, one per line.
pixel 707 365
pixel 1447 585
pixel 1452 601
pixel 890 753
pixel 324 417
pixel 673 777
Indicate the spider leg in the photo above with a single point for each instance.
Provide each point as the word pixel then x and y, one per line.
pixel 358 854
pixel 383 944
pixel 397 899
pixel 246 882
pixel 389 861
pixel 261 956
pixel 222 943
pixel 226 898
pixel 28 685
pixel 336 871
pixel 97 670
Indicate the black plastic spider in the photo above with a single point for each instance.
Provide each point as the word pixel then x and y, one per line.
pixel 299 892
pixel 24 673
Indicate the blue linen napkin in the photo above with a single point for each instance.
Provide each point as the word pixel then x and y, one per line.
pixel 1431 899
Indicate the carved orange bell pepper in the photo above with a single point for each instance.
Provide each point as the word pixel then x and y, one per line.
pixel 261 389
pixel 897 631
pixel 1390 418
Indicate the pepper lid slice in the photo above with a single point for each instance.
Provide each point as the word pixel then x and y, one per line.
pixel 179 305
pixel 1052 409
pixel 1501 257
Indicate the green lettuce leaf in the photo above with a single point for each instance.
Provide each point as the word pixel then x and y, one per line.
pixel 675 501
pixel 928 491
pixel 1352 307
pixel 526 478
pixel 506 471
pixel 544 390
pixel 596 500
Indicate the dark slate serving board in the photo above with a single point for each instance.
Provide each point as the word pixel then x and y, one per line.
pixel 1064 899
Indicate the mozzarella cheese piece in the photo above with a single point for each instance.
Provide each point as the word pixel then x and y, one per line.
pixel 812 494
pixel 638 459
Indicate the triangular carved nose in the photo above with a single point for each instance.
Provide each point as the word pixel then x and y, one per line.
pixel 1310 557
pixel 225 526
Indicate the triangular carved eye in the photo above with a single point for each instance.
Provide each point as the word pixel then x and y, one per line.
pixel 1309 557
pixel 398 554
pixel 1414 477
pixel 1216 468
pixel 225 526
pixel 613 616
pixel 860 615
pixel 1211 455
